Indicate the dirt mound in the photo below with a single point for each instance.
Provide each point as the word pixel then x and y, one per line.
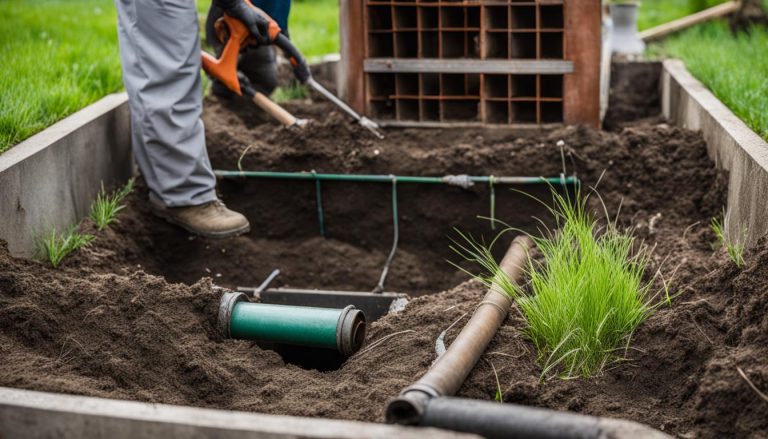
pixel 100 325
pixel 138 337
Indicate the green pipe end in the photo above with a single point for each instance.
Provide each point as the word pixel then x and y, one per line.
pixel 340 329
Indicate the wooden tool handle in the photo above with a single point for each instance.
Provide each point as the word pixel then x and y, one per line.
pixel 278 112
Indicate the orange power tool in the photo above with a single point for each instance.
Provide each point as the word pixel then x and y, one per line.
pixel 236 37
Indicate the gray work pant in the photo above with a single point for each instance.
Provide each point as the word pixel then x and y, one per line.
pixel 160 55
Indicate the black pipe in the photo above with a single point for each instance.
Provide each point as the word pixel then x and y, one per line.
pixel 495 420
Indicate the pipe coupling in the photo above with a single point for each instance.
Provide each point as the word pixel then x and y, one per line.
pixel 226 305
pixel 350 331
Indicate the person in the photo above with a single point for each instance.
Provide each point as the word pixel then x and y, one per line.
pixel 258 64
pixel 160 56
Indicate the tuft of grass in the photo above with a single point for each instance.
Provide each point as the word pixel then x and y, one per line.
pixel 53 247
pixel 105 208
pixel 292 92
pixel 733 67
pixel 735 249
pixel 585 296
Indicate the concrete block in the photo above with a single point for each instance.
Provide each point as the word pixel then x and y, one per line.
pixel 38 415
pixel 50 179
pixel 731 145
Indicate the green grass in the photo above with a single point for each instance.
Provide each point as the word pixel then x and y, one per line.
pixel 61 55
pixel 734 248
pixel 734 68
pixel 655 12
pixel 58 56
pixel 586 296
pixel 289 93
pixel 314 26
pixel 105 207
pixel 53 247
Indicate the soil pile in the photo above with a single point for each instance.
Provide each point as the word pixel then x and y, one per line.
pixel 100 325
pixel 138 337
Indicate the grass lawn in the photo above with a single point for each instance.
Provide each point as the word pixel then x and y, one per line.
pixel 53 63
pixel 655 12
pixel 734 68
pixel 61 55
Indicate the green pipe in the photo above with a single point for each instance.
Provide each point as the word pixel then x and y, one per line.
pixel 457 180
pixel 342 330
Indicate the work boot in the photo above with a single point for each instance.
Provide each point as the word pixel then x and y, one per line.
pixel 212 220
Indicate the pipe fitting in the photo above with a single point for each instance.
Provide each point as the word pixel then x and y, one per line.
pixel 226 305
pixel 350 331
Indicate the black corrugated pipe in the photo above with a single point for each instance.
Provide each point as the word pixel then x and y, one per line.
pixel 493 420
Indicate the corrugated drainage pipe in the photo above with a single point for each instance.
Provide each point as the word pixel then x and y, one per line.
pixel 342 330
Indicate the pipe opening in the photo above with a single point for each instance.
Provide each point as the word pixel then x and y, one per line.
pixel 403 411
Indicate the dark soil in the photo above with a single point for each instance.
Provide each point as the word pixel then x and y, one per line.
pixel 101 325
pixel 635 92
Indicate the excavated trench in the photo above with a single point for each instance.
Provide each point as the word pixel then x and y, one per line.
pixel 104 324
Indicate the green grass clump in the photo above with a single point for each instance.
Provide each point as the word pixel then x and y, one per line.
pixel 586 296
pixel 59 56
pixel 105 208
pixel 291 92
pixel 734 68
pixel 735 249
pixel 54 247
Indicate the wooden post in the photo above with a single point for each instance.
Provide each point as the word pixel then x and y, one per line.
pixel 351 77
pixel 581 100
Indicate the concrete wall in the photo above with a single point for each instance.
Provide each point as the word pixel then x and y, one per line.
pixel 29 414
pixel 731 144
pixel 50 179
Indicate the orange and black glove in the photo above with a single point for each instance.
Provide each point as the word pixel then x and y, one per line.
pixel 257 24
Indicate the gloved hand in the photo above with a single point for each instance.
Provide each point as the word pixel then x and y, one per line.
pixel 255 22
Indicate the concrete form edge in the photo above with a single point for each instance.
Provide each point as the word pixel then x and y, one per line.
pixel 36 143
pixel 26 413
pixel 731 144
pixel 49 180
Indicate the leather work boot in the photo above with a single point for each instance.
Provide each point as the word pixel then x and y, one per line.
pixel 212 220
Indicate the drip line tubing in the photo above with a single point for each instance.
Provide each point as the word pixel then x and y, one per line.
pixel 454 180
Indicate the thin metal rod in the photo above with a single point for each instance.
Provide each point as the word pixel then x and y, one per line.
pixel 319 202
pixel 331 97
pixel 455 180
pixel 396 227
pixel 491 183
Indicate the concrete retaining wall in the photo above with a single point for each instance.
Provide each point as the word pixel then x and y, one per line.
pixel 731 144
pixel 50 179
pixel 29 414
